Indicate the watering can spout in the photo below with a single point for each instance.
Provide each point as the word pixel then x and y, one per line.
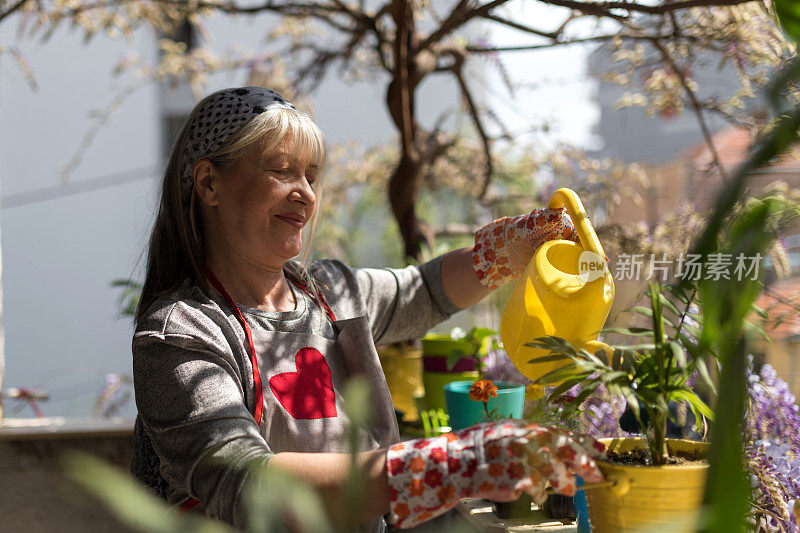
pixel 566 291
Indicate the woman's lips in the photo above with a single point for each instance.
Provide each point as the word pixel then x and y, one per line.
pixel 295 220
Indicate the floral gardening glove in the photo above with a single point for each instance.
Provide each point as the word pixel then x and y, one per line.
pixel 496 460
pixel 504 247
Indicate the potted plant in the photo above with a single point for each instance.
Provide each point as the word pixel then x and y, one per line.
pixel 484 400
pixel 649 375
pixel 451 357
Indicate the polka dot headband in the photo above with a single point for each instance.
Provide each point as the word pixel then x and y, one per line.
pixel 221 114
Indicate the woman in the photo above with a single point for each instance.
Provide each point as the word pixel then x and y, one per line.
pixel 241 353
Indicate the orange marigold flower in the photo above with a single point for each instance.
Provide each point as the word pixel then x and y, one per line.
pixel 483 390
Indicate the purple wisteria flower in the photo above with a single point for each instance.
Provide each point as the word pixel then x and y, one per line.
pixel 772 450
pixel 600 414
pixel 498 367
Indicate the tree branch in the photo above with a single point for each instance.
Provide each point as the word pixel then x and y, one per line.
pixel 599 38
pixel 458 64
pixel 698 109
pixel 603 8
pixel 454 230
pixel 456 19
pixel 517 26
pixel 12 9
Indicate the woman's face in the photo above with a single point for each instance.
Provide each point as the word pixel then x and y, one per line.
pixel 262 204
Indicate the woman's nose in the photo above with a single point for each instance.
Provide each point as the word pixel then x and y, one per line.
pixel 303 192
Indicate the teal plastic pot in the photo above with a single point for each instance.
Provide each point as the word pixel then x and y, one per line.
pixel 465 412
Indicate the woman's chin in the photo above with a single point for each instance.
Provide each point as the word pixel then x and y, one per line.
pixel 290 252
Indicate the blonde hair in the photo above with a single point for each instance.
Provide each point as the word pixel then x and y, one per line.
pixel 176 252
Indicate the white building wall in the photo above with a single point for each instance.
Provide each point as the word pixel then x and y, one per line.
pixel 63 333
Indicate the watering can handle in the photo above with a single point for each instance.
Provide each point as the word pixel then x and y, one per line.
pixel 567 198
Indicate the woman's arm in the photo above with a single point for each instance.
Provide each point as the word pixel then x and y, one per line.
pixel 459 280
pixel 328 472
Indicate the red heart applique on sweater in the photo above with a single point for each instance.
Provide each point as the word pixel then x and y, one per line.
pixel 308 393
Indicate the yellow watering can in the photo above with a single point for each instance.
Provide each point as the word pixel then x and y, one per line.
pixel 566 291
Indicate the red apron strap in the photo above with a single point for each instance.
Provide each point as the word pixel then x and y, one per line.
pixel 191 503
pixel 188 505
pixel 259 392
pixel 318 298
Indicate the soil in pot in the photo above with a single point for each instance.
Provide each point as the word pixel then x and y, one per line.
pixel 640 457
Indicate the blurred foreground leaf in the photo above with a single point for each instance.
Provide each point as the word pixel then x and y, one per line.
pixel 275 498
pixel 130 501
pixel 788 12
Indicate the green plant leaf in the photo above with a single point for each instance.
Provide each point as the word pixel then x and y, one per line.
pixel 678 354
pixel 453 358
pixel 702 370
pixel 558 375
pixel 563 387
pixel 613 376
pixel 760 312
pixel 130 501
pixel 697 404
pixel 728 489
pixel 287 496
pixel 788 12
pixel 356 404
pixel 549 359
pixel 630 331
pixel 481 333
pixel 665 302
pixel 586 391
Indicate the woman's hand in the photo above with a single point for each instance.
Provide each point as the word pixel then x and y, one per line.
pixel 504 247
pixel 496 461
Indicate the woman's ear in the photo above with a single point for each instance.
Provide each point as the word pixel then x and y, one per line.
pixel 205 182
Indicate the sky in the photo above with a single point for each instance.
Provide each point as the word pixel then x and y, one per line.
pixel 554 85
pixel 60 251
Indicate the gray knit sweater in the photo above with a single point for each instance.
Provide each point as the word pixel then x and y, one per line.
pixel 194 380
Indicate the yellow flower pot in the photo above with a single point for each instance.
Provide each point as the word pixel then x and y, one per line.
pixel 648 496
pixel 402 366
